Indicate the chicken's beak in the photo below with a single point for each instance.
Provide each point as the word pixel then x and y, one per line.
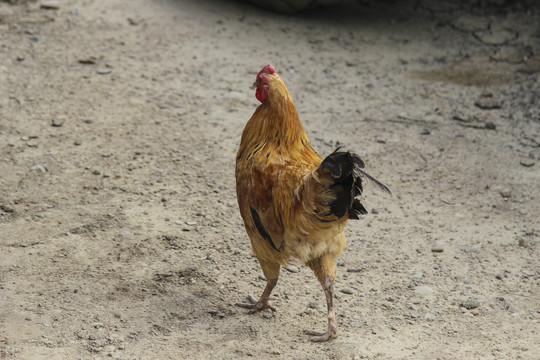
pixel 254 84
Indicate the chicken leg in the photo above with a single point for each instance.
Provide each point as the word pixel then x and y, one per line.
pixel 325 270
pixel 271 272
pixel 331 333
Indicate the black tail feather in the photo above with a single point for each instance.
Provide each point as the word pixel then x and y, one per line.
pixel 345 169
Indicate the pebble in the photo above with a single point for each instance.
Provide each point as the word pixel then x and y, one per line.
pixel 88 120
pixel 21 58
pixel 429 316
pixel 469 304
pixel 416 276
pixel 104 71
pixel 57 123
pixel 312 305
pixel 425 132
pixel 97 325
pixel 35 38
pixel 374 211
pixel 527 162
pixel 292 268
pixel 423 290
pixel 32 143
pixel 96 172
pixel 347 290
pixel 267 315
pixel 50 5
pixel 262 277
pixel 437 247
pixel 523 243
pixel 505 193
pixel 39 168
pixel 488 103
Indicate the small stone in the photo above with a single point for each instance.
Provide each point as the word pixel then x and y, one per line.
pixel 35 38
pixel 97 325
pixel 88 120
pixel 374 211
pixel 488 103
pixel 429 316
pixel 21 58
pixel 437 248
pixel 39 168
pixel 267 315
pixel 527 162
pixel 475 312
pixel 77 143
pixel 505 193
pixel 491 126
pixel 469 304
pixel 104 71
pixel 423 290
pixel 312 305
pixel 523 243
pixel 340 262
pixel 416 276
pixel 50 5
pixel 32 143
pixel 96 172
pixel 292 268
pixel 347 290
pixel 425 132
pixel 57 123
pixel 262 277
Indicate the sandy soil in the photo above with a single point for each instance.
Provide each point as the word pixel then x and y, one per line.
pixel 120 235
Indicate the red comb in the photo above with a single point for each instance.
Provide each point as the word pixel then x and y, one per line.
pixel 268 69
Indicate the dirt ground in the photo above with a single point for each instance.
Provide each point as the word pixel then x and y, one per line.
pixel 120 235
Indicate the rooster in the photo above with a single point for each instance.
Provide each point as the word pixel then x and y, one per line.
pixel 293 202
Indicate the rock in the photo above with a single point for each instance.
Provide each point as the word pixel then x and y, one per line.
pixel 468 22
pixel 292 268
pixel 312 305
pixel 523 243
pixel 488 102
pixel 96 172
pixel 21 58
pixel 527 162
pixel 416 276
pixel 50 5
pixel 425 132
pixel 35 38
pixel 429 316
pixel 267 315
pixel 57 123
pixel 374 211
pixel 39 168
pixel 505 193
pixel 423 290
pixel 88 120
pixel 347 290
pixel 262 277
pixel 469 304
pixel 495 37
pixel 437 248
pixel 104 71
pixel 490 125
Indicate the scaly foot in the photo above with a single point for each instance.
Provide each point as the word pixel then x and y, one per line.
pixel 319 336
pixel 258 305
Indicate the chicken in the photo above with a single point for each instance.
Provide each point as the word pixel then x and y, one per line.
pixel 294 204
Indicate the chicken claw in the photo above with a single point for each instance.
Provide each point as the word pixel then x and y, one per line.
pixel 319 336
pixel 264 302
pixel 258 305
